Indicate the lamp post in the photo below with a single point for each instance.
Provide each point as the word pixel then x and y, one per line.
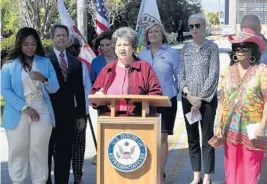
pixel 219 12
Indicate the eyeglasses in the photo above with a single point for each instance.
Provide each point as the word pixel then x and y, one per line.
pixel 191 26
pixel 241 49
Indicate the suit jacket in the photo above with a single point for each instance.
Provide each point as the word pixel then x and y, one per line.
pixel 63 100
pixel 181 29
pixel 13 92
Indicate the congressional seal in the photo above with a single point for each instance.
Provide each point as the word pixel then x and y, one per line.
pixel 127 152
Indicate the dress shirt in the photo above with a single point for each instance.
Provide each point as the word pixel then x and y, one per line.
pixel 165 63
pixel 59 58
pixel 200 68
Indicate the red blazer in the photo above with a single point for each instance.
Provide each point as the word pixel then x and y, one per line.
pixel 142 81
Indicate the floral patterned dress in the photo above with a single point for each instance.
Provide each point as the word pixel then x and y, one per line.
pixel 242 102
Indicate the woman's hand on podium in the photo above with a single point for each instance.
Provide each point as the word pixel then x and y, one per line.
pixel 100 92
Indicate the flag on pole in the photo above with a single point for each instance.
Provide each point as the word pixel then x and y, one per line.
pixel 101 17
pixel 86 52
pixel 148 13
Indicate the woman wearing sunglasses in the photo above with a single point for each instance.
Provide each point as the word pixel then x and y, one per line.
pixel 243 102
pixel 199 74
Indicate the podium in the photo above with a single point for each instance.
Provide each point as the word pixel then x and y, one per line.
pixel 128 149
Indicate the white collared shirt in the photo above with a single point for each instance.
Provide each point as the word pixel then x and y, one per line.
pixel 58 57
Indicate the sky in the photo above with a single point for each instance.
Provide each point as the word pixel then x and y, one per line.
pixel 212 5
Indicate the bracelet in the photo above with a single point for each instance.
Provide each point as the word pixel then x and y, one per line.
pixel 219 126
pixel 24 108
pixel 45 82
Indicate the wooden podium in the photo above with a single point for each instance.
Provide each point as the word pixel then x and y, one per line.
pixel 128 149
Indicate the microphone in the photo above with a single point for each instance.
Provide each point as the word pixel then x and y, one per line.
pixel 128 87
pixel 127 65
pixel 129 73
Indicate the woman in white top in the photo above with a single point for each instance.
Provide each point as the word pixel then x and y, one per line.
pixel 28 116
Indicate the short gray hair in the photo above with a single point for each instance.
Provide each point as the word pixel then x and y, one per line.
pixel 199 16
pixel 126 33
pixel 162 30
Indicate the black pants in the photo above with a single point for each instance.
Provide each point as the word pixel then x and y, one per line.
pixel 208 112
pixel 78 150
pixel 180 37
pixel 60 148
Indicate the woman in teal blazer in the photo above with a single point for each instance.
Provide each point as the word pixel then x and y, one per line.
pixel 27 78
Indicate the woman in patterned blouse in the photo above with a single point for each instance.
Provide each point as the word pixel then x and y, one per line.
pixel 165 62
pixel 199 74
pixel 243 102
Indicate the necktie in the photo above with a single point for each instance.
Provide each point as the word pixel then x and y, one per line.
pixel 63 66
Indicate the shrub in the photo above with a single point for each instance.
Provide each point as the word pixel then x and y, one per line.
pixel 7 43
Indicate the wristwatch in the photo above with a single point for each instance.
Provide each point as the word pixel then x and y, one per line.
pixel 45 82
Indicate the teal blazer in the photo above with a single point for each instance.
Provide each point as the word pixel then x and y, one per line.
pixel 13 92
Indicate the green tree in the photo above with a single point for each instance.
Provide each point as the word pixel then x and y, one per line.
pixel 173 10
pixel 42 14
pixel 10 17
pixel 213 18
pixel 39 15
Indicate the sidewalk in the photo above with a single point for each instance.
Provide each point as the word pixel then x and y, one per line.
pixel 178 167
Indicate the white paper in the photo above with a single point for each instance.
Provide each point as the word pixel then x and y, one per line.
pixel 193 116
pixel 251 129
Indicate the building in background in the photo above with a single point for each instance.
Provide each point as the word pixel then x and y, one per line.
pixel 236 9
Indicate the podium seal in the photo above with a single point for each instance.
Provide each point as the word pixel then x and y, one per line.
pixel 127 152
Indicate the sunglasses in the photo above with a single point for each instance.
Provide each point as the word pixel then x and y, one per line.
pixel 191 26
pixel 241 49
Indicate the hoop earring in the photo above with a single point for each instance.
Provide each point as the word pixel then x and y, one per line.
pixel 252 60
pixel 235 59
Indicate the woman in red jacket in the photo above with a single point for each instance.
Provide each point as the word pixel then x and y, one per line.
pixel 126 75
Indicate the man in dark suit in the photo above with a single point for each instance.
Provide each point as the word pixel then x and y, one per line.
pixel 68 104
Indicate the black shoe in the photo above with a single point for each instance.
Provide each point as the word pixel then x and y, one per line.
pixel 164 176
pixel 209 182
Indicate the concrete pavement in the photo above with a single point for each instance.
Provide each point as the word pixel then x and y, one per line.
pixel 178 167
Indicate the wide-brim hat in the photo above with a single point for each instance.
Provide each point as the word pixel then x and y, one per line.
pixel 248 35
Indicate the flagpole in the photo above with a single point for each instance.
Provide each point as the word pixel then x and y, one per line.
pixel 82 17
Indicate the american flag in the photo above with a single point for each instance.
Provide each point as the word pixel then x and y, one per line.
pixel 101 17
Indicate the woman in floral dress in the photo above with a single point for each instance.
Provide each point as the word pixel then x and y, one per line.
pixel 243 101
